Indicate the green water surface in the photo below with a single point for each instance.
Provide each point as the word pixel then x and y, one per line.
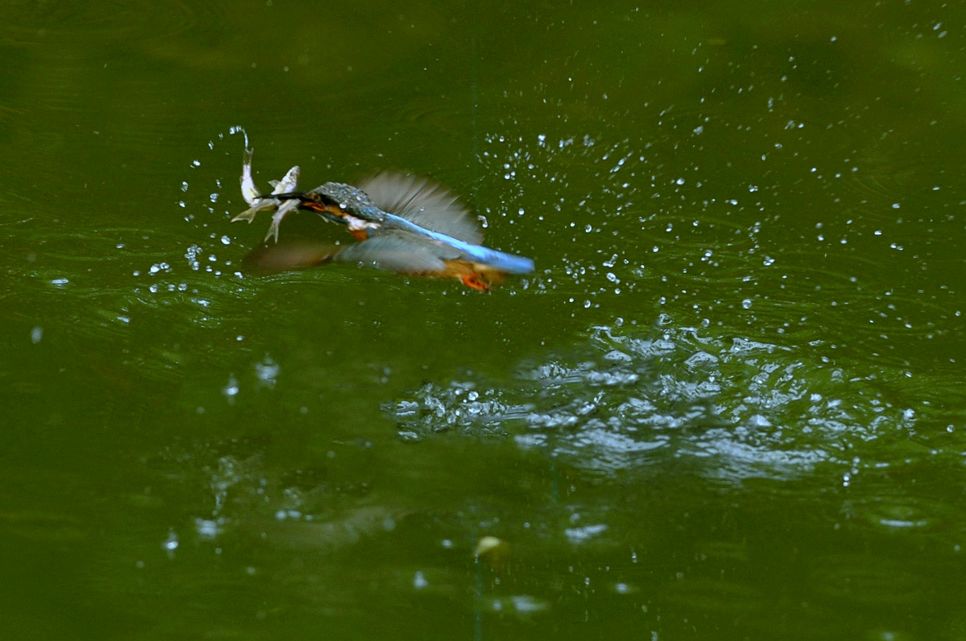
pixel 728 404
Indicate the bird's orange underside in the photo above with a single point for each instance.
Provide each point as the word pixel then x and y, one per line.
pixel 472 275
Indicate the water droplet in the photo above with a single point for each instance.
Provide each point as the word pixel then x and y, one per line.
pixel 267 371
pixel 170 544
pixel 419 580
pixel 231 389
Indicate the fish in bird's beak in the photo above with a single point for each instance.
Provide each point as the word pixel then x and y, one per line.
pixel 257 202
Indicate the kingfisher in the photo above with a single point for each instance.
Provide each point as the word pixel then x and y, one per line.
pixel 403 223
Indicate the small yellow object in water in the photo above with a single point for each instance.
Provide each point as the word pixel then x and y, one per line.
pixel 493 553
pixel 489 544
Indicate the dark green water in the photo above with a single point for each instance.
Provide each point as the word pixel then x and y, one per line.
pixel 729 404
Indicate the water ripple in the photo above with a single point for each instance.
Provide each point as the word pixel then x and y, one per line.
pixel 43 22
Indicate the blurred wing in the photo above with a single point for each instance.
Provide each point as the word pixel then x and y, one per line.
pixel 424 203
pixel 290 256
pixel 399 252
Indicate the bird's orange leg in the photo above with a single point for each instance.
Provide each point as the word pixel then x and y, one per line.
pixel 473 281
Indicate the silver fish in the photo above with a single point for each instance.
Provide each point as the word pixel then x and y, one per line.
pixel 253 197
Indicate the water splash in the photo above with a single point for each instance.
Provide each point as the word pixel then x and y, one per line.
pixel 731 407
